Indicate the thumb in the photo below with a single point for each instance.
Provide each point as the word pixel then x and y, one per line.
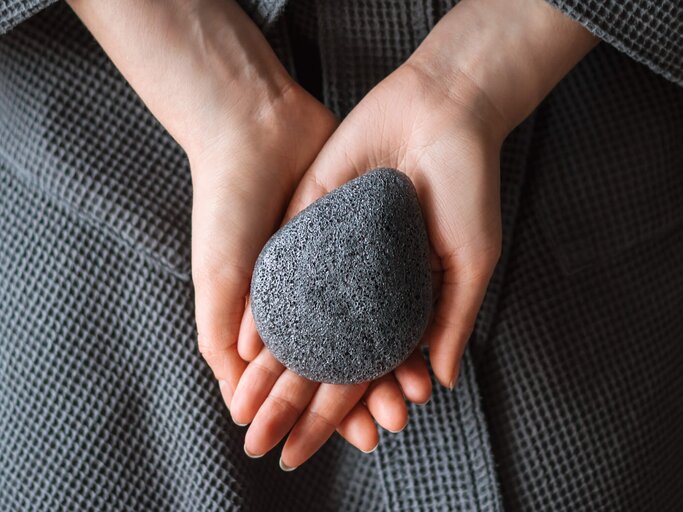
pixel 220 289
pixel 340 160
pixel 463 286
pixel 229 225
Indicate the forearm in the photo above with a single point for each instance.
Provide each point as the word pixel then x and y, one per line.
pixel 196 64
pixel 503 55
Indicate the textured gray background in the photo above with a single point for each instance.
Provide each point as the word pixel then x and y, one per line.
pixel 105 403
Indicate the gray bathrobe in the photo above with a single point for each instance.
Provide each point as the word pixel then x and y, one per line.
pixel 571 394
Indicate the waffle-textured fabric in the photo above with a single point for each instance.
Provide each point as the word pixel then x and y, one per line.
pixel 569 398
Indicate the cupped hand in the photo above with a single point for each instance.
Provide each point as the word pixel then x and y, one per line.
pixel 451 155
pixel 275 400
pixel 441 118
pixel 241 186
pixel 208 75
pixel 452 158
pixel 250 132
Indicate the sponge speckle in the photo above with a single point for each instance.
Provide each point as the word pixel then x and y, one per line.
pixel 342 293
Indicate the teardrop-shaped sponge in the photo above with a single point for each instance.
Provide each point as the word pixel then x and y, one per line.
pixel 342 293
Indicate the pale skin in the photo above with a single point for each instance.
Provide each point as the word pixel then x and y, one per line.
pixel 261 149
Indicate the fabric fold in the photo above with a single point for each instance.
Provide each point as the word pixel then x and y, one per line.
pixel 649 31
pixel 263 12
pixel 13 12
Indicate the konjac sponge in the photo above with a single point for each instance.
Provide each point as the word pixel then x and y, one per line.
pixel 342 293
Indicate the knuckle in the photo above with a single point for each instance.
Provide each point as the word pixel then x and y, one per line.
pixel 448 321
pixel 269 373
pixel 209 351
pixel 212 357
pixel 319 417
pixel 285 404
pixel 207 275
pixel 480 267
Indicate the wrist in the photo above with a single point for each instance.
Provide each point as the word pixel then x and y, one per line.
pixel 202 67
pixel 502 57
pixel 285 124
pixel 238 80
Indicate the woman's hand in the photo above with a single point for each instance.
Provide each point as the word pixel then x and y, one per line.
pixel 277 401
pixel 250 132
pixel 208 75
pixel 440 118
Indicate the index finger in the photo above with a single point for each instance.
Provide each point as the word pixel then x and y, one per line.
pixel 330 405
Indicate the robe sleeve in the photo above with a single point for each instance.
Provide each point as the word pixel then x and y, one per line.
pixel 13 12
pixel 649 31
pixel 263 12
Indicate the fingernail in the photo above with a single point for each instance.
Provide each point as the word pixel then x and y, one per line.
pixel 237 423
pixel 251 455
pixel 425 402
pixel 454 381
pixel 285 467
pixel 371 450
pixel 226 392
pixel 399 430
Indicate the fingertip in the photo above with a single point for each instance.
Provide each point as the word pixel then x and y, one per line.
pixel 421 397
pixel 359 429
pixel 331 404
pixel 373 449
pixel 399 421
pixel 241 411
pixel 254 386
pixel 226 392
pixel 456 377
pixel 254 444
pixel 240 414
pixel 284 467
pixel 249 342
pixel 385 402
pixel 250 454
pixel 445 351
pixel 401 428
pixel 288 398
pixel 444 370
pixel 413 377
pixel 455 317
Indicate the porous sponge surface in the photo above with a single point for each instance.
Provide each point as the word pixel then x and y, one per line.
pixel 342 293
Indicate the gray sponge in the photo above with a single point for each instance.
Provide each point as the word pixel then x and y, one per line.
pixel 342 293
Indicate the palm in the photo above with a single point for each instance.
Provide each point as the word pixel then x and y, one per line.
pixel 408 123
pixel 412 124
pixel 240 195
pixel 241 188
